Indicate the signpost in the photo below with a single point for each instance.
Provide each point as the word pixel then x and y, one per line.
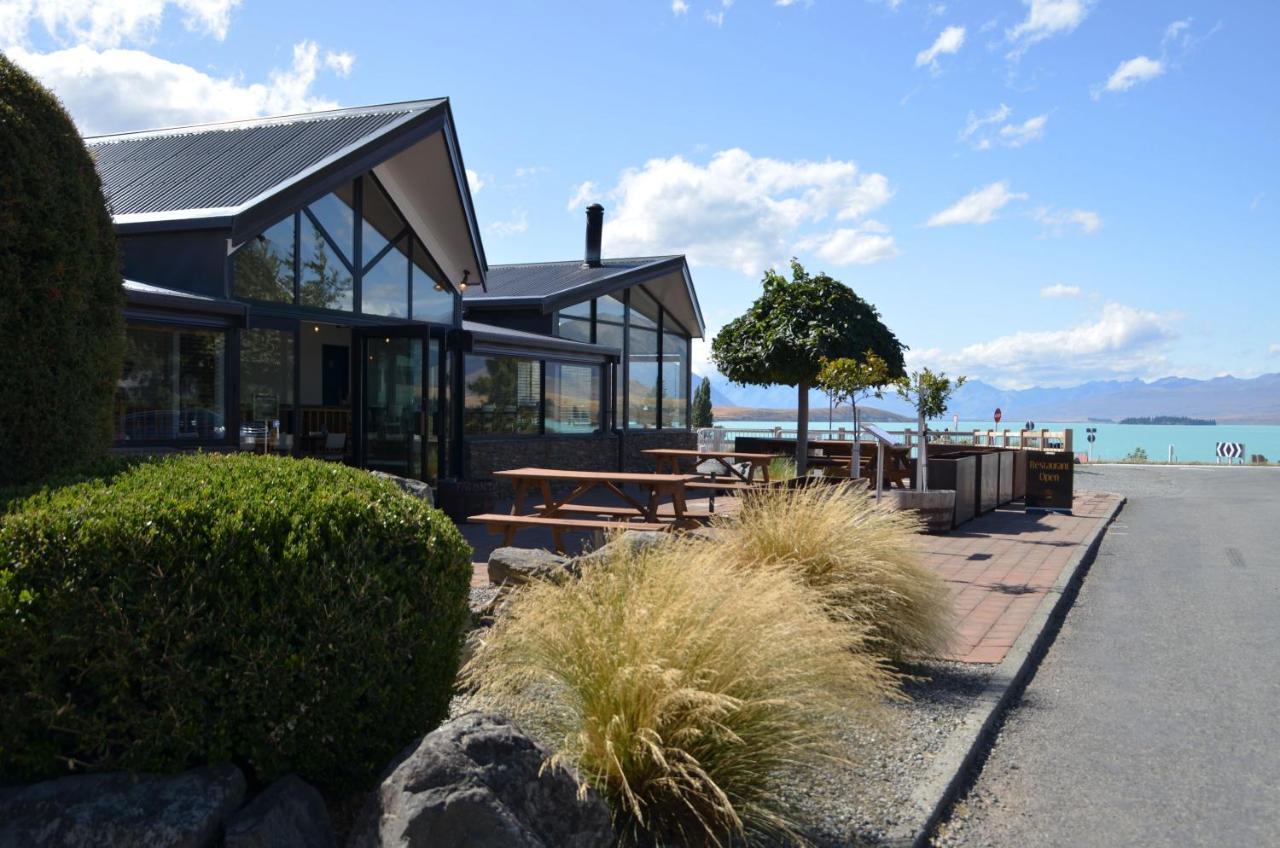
pixel 1091 433
pixel 1050 481
pixel 882 438
pixel 998 415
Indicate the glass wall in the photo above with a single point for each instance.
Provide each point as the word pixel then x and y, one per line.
pixel 675 378
pixel 264 265
pixel 172 387
pixel 503 395
pixel 266 391
pixel 393 419
pixel 574 322
pixel 573 398
pixel 432 301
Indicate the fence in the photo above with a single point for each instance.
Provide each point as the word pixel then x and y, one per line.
pixel 1043 439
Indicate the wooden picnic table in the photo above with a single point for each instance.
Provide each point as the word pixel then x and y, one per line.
pixel 670 458
pixel 656 486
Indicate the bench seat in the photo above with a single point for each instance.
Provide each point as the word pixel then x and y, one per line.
pixel 507 525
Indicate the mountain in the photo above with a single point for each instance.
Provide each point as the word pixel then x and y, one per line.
pixel 1228 399
pixel 817 417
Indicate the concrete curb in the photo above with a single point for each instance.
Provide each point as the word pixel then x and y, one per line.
pixel 949 774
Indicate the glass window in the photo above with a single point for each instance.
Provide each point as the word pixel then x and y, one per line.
pixel 432 301
pixel 573 398
pixel 336 213
pixel 503 395
pixel 609 335
pixel 611 308
pixel 385 288
pixel 263 266
pixel 381 222
pixel 642 378
pixel 577 310
pixel 266 390
pixel 675 386
pixel 326 282
pixel 644 309
pixel 172 385
pixel 578 329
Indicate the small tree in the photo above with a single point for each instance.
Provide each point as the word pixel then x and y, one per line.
pixel 848 380
pixel 702 416
pixel 62 321
pixel 929 393
pixel 791 328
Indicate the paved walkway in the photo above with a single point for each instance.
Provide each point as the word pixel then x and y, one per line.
pixel 1001 565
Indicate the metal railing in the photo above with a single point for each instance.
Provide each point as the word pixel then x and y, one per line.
pixel 1041 439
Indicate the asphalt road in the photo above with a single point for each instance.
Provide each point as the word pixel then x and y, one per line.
pixel 1154 719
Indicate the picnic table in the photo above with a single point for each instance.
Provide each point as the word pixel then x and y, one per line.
pixel 670 458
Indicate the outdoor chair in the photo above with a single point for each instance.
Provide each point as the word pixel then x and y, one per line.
pixel 335 447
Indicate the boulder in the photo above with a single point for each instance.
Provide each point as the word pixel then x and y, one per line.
pixel 417 488
pixel 632 541
pixel 290 813
pixel 517 566
pixel 477 781
pixel 118 810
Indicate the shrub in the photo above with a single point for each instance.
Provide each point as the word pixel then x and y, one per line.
pixel 678 687
pixel 1137 455
pixel 782 468
pixel 861 559
pixel 62 321
pixel 287 615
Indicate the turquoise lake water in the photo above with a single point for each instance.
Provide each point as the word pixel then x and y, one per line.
pixel 1115 441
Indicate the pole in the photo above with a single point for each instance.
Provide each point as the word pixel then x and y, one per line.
pixel 922 468
pixel 879 468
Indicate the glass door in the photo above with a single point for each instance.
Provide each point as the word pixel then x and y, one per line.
pixel 395 420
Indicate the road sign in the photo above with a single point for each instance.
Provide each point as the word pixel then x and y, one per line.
pixel 1230 451
pixel 998 414
pixel 1049 481
pixel 1092 438
pixel 1030 425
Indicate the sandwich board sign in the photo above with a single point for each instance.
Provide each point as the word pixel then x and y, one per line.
pixel 1049 481
pixel 880 434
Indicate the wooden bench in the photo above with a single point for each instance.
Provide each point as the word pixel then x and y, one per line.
pixel 726 486
pixel 695 510
pixel 507 525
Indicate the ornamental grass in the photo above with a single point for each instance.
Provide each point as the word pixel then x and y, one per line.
pixel 680 686
pixel 862 561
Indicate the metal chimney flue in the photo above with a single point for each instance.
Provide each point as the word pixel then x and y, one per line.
pixel 595 228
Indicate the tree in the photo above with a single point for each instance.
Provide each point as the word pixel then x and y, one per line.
pixel 929 393
pixel 702 416
pixel 795 324
pixel 849 380
pixel 62 322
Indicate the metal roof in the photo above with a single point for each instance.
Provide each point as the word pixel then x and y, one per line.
pixel 520 338
pixel 145 294
pixel 544 280
pixel 221 167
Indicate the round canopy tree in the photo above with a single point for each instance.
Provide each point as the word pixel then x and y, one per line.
pixel 791 328
pixel 62 323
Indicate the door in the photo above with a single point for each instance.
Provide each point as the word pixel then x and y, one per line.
pixel 394 431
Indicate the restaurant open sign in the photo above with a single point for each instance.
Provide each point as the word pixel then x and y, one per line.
pixel 1050 481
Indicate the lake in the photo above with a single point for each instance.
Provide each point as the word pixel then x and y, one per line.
pixel 1115 441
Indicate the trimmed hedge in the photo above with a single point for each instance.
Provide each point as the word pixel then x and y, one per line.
pixel 286 615
pixel 62 324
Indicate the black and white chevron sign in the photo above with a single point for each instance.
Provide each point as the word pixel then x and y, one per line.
pixel 1231 450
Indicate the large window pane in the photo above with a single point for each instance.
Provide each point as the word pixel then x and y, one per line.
pixel 642 381
pixel 336 213
pixel 503 395
pixel 644 309
pixel 573 398
pixel 577 310
pixel 432 301
pixel 172 385
pixel 675 386
pixel 382 222
pixel 326 282
pixel 263 266
pixel 385 289
pixel 611 308
pixel 266 390
pixel 577 329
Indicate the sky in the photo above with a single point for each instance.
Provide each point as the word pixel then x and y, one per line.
pixel 1032 192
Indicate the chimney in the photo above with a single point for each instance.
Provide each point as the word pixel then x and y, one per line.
pixel 595 226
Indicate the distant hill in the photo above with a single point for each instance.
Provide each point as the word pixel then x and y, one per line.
pixel 817 417
pixel 1229 400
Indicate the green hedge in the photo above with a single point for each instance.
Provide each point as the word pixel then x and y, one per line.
pixel 287 615
pixel 62 324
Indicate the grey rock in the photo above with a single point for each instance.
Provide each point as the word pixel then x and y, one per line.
pixel 119 810
pixel 417 488
pixel 290 813
pixel 631 541
pixel 477 781
pixel 517 566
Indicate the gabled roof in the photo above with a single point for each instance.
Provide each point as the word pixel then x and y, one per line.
pixel 553 285
pixel 505 335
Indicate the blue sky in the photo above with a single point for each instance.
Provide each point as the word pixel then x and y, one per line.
pixel 1030 191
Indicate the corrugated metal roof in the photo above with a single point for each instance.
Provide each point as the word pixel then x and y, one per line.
pixel 222 166
pixel 548 279
pixel 520 338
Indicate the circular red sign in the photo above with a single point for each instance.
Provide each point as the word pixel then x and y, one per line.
pixel 997 415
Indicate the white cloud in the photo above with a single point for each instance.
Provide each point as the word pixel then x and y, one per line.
pixel 1057 222
pixel 1132 72
pixel 583 193
pixel 679 7
pixel 524 172
pixel 745 212
pixel 340 63
pixel 977 207
pixel 475 180
pixel 108 23
pixel 950 40
pixel 1058 291
pixel 1274 350
pixel 986 131
pixel 116 89
pixel 516 224
pixel 1119 341
pixel 1045 19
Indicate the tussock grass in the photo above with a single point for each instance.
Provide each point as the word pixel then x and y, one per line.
pixel 679 686
pixel 782 468
pixel 862 560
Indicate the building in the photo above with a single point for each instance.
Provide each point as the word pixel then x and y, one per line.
pixel 316 285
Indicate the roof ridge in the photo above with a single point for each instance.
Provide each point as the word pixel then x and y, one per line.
pixel 404 106
pixel 555 262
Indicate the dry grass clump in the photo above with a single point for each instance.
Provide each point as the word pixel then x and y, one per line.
pixel 679 686
pixel 861 559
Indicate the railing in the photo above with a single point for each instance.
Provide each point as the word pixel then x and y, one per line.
pixel 1042 439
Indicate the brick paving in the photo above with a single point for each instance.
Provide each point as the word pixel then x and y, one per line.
pixel 1000 567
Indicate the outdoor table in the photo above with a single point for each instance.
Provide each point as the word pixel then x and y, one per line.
pixel 670 459
pixel 656 485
